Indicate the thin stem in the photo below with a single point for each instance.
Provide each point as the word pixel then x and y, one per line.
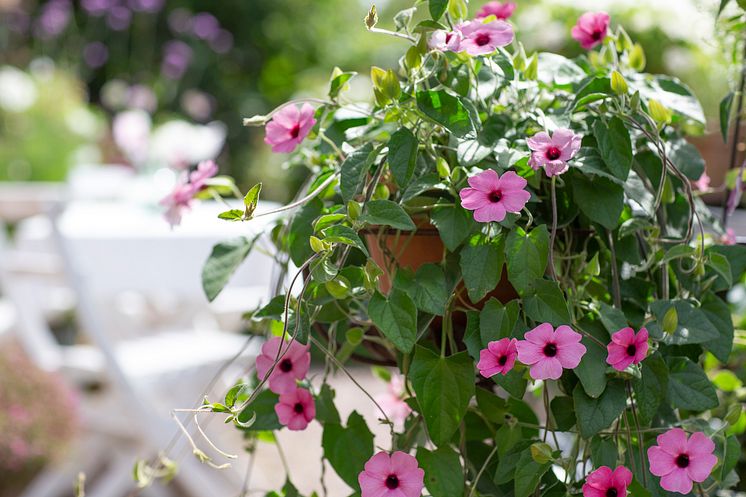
pixel 639 434
pixel 615 273
pixel 629 443
pixel 481 471
pixel 392 33
pixel 303 200
pixel 554 229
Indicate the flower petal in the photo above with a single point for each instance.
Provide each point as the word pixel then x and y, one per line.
pixel 673 441
pixel 548 368
pixel 677 481
pixel 661 462
pixel 487 181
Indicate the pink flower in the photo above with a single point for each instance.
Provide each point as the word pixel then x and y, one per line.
pixel 492 196
pixel 446 41
pixel 391 476
pixel 179 201
pixel 552 153
pixel 294 363
pixel 296 409
pixel 498 9
pixel 591 29
pixel 289 127
pixel 498 357
pixel 392 402
pixel 679 461
pixel 703 183
pixel 627 348
pixel 548 351
pixel 483 38
pixel 729 238
pixel 606 483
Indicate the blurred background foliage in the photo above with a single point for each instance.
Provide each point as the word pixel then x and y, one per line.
pixel 206 61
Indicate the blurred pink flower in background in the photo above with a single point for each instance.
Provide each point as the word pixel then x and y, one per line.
pixel 289 127
pixel 392 402
pixel 179 201
pixel 703 183
pixel 498 9
pixel 591 29
pixel 481 39
pixel 95 54
pixel 729 238
pixel 131 132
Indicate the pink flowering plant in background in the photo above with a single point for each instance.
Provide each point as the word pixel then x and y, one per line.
pixel 514 242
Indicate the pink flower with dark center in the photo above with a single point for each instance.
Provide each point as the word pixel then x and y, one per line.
pixel 397 475
pixel 548 351
pixel 491 196
pixel 627 348
pixel 703 183
pixel 553 152
pixel 498 357
pixel 293 365
pixel 484 38
pixel 392 402
pixel 296 409
pixel 289 127
pixel 679 461
pixel 446 41
pixel 591 29
pixel 498 9
pixel 607 483
pixel 205 170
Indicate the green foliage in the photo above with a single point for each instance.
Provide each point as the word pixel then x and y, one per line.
pixel 347 448
pixel 223 261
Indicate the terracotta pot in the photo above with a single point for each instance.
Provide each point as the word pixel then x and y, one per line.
pixel 411 251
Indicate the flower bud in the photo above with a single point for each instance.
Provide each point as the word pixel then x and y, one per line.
pixel 541 453
pixel 317 245
pixel 618 83
pixel 385 85
pixel 637 58
pixel 443 168
pixel 532 69
pixel 354 336
pixel 670 321
pixel 382 192
pixel 659 112
pixel 353 210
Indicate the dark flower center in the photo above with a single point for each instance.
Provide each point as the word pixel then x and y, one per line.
pixel 448 37
pixel 502 360
pixel 286 365
pixel 298 407
pixel 682 460
pixel 597 35
pixel 482 39
pixel 495 196
pixel 553 153
pixel 392 482
pixel 550 350
pixel 295 130
pixel 631 350
pixel 611 492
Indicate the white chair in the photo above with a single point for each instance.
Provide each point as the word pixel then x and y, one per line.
pixel 149 372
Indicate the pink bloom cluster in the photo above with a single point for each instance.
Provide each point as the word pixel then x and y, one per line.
pixel 680 462
pixel 498 9
pixel 397 475
pixel 473 37
pixel 179 201
pixel 295 407
pixel 289 127
pixel 553 152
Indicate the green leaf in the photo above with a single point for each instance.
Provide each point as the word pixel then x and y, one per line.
pixel 301 229
pixel 600 199
pixel 353 169
pixel 650 389
pixel 719 263
pixel 444 386
pixel 563 411
pixel 687 158
pixel 481 266
pixel 432 291
pixel 231 215
pixel 497 321
pixel 222 263
pixel 251 199
pixel 453 223
pixel 446 110
pixel 514 382
pixel 326 412
pixel 387 213
pixel 437 8
pixel 592 368
pixel 402 155
pixel 612 318
pixel 348 449
pixel 345 235
pixel 604 452
pixel 396 317
pixel 718 314
pixel 688 386
pixel 528 474
pixel 725 110
pixel 338 83
pixel 527 255
pixel 615 146
pixel 263 407
pixel 723 4
pixel 547 304
pixel 692 324
pixel 444 476
pixel 731 456
pixel 595 415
